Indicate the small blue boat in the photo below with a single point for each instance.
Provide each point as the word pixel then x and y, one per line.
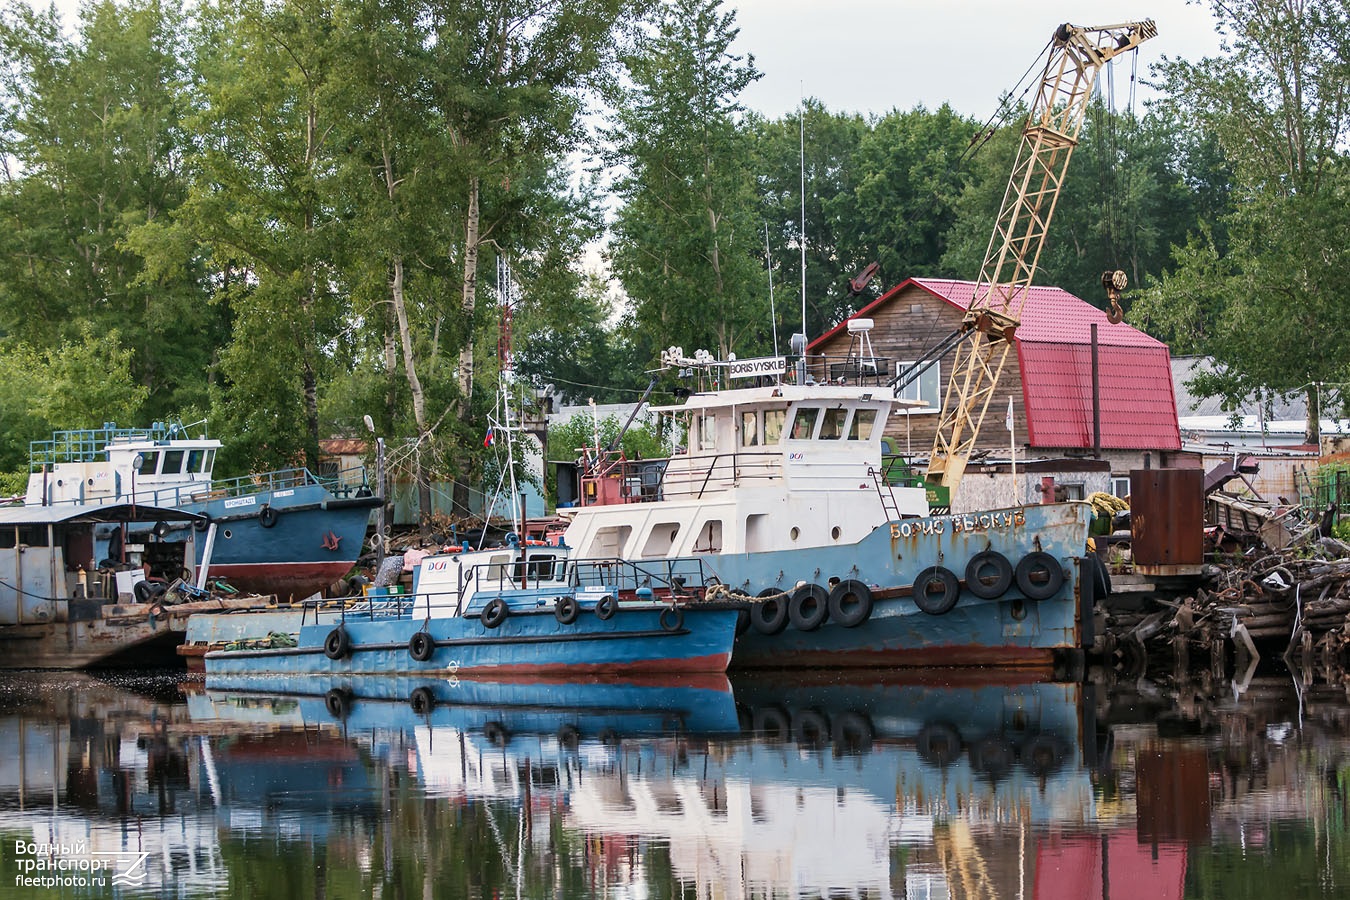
pixel 523 609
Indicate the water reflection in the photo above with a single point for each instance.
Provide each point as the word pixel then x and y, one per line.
pixel 979 787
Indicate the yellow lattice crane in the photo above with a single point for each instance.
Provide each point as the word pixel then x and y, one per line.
pixel 984 338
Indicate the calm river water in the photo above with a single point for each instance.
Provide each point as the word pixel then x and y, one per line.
pixel 974 785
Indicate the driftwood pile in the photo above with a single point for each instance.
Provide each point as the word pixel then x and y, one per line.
pixel 1294 602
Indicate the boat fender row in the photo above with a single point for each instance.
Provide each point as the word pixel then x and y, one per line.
pixel 807 607
pixel 989 575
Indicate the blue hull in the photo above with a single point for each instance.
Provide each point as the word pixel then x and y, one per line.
pixel 634 641
pixel 1009 629
pixel 312 539
pixel 574 709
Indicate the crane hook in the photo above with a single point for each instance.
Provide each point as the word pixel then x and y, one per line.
pixel 1114 282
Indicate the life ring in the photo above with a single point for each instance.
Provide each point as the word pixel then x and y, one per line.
pixel 565 609
pixel 338 703
pixel 494 613
pixel 810 729
pixel 267 516
pixel 606 607
pixel 851 733
pixel 808 607
pixel 769 616
pixel 936 590
pixel 337 644
pixel 850 603
pixel 202 523
pixel 1039 575
pixel 989 575
pixel 938 743
pixel 422 701
pixel 421 646
pixel 672 618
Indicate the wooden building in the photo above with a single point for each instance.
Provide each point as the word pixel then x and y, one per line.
pixel 1048 378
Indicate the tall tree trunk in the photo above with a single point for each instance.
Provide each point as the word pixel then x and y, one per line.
pixel 415 386
pixel 470 299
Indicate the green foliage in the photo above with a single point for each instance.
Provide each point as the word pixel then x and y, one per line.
pixel 641 441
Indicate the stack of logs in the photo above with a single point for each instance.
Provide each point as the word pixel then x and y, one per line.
pixel 1295 602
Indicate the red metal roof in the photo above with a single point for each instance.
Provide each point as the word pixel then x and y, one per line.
pixel 1138 407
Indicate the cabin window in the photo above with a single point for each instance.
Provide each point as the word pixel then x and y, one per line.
pixel 660 539
pixel 7 538
pixel 33 535
pixel 863 422
pixel 496 569
pixel 749 429
pixel 709 537
pixel 707 432
pixel 804 423
pixel 210 461
pixel 832 424
pixel 927 387
pixel 173 462
pixel 195 459
pixel 773 425
pixel 149 463
pixel 540 567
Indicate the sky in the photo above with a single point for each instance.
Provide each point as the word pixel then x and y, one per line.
pixel 872 56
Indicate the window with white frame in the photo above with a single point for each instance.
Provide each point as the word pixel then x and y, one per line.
pixel 1120 485
pixel 927 387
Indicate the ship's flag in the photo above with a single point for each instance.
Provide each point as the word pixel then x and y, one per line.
pixel 490 438
pixel 1007 421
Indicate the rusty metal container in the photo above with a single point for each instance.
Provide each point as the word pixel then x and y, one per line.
pixel 1167 521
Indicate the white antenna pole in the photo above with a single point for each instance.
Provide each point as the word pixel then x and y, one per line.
pixel 801 118
pixel 773 317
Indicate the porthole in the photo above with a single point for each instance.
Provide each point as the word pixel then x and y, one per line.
pixel 794 533
pixel 227 534
pixel 835 532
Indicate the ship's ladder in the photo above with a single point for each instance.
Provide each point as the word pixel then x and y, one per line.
pixel 886 494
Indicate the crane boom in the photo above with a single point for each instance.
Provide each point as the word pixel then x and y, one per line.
pixel 1076 56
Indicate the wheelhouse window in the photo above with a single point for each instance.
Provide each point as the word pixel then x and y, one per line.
pixel 750 429
pixel 173 462
pixel 832 424
pixel 804 423
pixel 195 460
pixel 707 432
pixel 149 463
pixel 864 420
pixel 773 425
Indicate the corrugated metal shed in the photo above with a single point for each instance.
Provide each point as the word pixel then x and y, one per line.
pixel 1138 406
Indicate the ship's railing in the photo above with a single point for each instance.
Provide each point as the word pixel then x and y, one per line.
pixel 348 482
pixel 853 369
pixel 90 444
pixel 681 476
pixel 665 577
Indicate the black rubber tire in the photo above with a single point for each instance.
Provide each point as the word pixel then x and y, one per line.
pixel 1039 576
pixel 808 607
pixel 770 616
pixel 989 575
pixel 203 523
pixel 936 603
pixel 1101 576
pixel 742 621
pixel 992 756
pixel 565 609
pixel 267 516
pixel 337 645
pixel 672 618
pixel 1042 755
pixel 938 743
pixel 850 603
pixel 421 646
pixel 606 607
pixel 422 700
pixel 495 613
pixel 810 729
pixel 144 591
pixel 851 733
pixel 496 734
pixel 771 724
pixel 569 737
pixel 338 703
